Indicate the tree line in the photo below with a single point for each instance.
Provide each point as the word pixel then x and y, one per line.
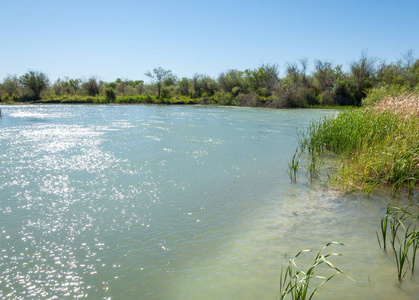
pixel 327 85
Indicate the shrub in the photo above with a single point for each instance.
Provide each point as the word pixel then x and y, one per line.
pixel 110 94
pixel 223 98
pixel 376 94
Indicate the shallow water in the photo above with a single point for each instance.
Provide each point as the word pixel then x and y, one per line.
pixel 171 202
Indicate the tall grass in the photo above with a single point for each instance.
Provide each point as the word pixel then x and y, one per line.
pixel 297 283
pixel 378 146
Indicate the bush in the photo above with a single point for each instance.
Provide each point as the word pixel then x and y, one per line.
pixel 223 98
pixel 165 94
pixel 376 94
pixel 110 94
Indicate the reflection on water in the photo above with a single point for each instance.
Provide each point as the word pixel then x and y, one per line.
pixel 172 202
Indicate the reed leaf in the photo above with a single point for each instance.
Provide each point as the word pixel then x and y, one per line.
pixel 378 147
pixel 400 225
pixel 296 283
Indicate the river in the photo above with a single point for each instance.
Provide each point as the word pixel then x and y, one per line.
pixel 173 202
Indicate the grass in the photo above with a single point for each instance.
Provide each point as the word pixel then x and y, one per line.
pixel 297 283
pixel 378 146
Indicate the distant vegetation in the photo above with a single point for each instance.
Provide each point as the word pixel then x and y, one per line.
pixel 367 80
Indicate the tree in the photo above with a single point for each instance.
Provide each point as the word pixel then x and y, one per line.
pixel 303 71
pixel 409 65
pixel 110 94
pixel 91 87
pixel 232 80
pixel 263 80
pixel 160 75
pixel 203 85
pixel 408 59
pixel 363 72
pixel 11 85
pixel 184 86
pixel 35 81
pixel 324 75
pixel 74 85
pixel 392 74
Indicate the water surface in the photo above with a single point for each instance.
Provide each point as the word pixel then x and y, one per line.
pixel 171 202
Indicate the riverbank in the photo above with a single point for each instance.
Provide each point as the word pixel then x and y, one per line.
pixel 153 100
pixel 378 146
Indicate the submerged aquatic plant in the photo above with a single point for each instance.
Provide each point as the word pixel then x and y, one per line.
pixel 296 283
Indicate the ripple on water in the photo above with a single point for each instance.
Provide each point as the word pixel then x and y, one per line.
pixel 169 202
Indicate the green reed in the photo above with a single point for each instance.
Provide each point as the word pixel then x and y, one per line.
pixel 314 164
pixel 400 225
pixel 293 166
pixel 297 283
pixel 375 148
pixel 384 229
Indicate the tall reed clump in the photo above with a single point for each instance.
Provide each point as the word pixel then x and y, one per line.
pixel 298 283
pixel 378 146
pixel 313 159
pixel 398 226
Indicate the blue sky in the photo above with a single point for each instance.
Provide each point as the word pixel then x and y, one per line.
pixel 124 39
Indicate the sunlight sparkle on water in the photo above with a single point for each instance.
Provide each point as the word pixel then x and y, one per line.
pixel 153 202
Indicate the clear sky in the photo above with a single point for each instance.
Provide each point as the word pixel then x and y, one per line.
pixel 126 38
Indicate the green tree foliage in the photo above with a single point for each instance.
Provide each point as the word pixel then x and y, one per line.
pixel 415 74
pixel 66 87
pixel 203 86
pixel 125 87
pixel 340 93
pixel 74 86
pixel 411 69
pixel 363 72
pixel 391 74
pixel 263 80
pixel 36 82
pixel 233 81
pixel 91 87
pixel 327 84
pixel 394 79
pixel 11 86
pixel 296 89
pixel 184 86
pixel 161 77
pixel 324 75
pixel 110 95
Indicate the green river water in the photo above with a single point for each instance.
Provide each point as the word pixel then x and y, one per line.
pixel 173 202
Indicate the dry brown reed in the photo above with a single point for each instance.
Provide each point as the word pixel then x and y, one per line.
pixel 405 105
